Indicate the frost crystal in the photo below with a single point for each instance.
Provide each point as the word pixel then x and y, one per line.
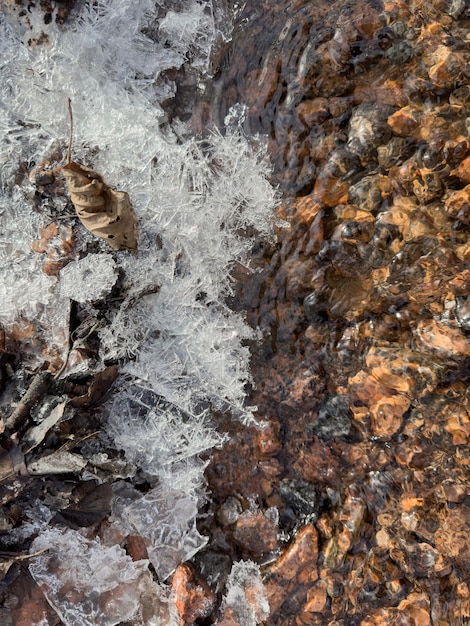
pixel 245 597
pixel 88 279
pixel 159 438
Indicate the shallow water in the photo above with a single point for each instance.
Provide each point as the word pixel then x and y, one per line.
pixel 363 371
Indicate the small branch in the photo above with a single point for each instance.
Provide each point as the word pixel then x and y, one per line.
pixel 38 387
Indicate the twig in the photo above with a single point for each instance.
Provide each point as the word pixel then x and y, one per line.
pixel 38 387
pixel 13 556
pixel 69 149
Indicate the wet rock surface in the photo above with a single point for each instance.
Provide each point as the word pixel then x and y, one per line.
pixel 363 372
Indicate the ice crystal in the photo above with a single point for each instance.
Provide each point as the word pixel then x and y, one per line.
pixel 166 519
pixel 182 350
pixel 159 438
pixel 88 279
pixel 245 596
pixel 85 581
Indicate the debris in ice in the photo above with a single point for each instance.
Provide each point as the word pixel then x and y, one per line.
pixel 88 279
pixel 245 601
pixel 166 519
pixel 38 517
pixel 197 204
pixel 86 582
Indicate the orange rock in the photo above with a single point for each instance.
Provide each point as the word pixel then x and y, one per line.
pixel 387 415
pixel 404 121
pixel 382 539
pixel 300 556
pixel 256 531
pixel 416 608
pixel 312 112
pixel 316 598
pixel 268 439
pixel 329 190
pixel 193 597
pixel 442 337
pixel 458 425
pixel 447 67
pixel 297 565
pixel 462 171
pixel 457 204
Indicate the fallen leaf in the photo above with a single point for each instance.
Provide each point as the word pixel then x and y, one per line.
pixel 36 434
pixel 100 385
pixel 103 211
pixel 60 462
pixel 12 464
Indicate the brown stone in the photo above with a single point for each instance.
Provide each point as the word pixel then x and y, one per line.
pixel 137 548
pixel 404 121
pixel 443 337
pixel 256 531
pixel 457 204
pixel 462 171
pixel 387 414
pixel 268 439
pixel 193 597
pixel 316 598
pixel 448 65
pixel 300 556
pixel 297 564
pixel 312 112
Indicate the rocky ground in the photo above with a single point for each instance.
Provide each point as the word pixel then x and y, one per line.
pixel 353 491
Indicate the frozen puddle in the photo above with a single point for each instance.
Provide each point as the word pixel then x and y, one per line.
pixel 180 348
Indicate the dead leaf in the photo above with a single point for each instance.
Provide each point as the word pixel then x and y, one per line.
pixel 36 434
pixel 100 385
pixel 103 211
pixel 93 506
pixel 60 462
pixel 12 464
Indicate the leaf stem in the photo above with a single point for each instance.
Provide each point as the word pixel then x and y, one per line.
pixel 69 149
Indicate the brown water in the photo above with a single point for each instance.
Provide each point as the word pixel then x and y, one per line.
pixel 363 372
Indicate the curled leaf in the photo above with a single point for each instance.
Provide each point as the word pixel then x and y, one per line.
pixel 103 211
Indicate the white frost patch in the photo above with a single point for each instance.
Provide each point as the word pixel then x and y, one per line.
pixel 199 204
pixel 91 278
pixel 159 438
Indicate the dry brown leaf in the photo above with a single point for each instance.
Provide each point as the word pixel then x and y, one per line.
pixel 103 211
